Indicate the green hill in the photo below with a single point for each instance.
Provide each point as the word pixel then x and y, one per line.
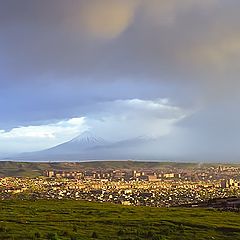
pixel 33 169
pixel 53 219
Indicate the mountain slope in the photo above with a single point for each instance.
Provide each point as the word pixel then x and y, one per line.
pixel 85 141
pixel 87 146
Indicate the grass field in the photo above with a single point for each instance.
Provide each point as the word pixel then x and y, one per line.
pixel 53 219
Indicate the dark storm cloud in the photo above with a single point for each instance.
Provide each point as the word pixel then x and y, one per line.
pixel 53 39
pixel 59 59
pixel 159 41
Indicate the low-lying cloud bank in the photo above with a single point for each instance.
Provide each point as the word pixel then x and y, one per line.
pixel 115 121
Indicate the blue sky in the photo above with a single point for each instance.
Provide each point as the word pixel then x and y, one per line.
pixel 165 68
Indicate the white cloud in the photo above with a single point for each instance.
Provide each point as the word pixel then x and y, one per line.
pixel 31 138
pixel 122 119
pixel 115 120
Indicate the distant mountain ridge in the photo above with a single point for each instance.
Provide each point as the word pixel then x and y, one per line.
pixel 88 146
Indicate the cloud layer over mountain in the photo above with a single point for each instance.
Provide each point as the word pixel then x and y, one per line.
pixel 115 121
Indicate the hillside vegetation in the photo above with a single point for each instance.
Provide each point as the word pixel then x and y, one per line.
pixel 55 219
pixel 34 169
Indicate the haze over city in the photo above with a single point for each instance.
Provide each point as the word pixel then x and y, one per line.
pixel 123 70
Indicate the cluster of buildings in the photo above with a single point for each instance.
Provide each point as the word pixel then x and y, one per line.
pixel 227 183
pixel 112 175
pixel 148 187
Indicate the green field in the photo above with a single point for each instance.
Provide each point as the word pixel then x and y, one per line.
pixel 53 219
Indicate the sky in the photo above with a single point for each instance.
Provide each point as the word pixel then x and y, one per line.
pixel 121 69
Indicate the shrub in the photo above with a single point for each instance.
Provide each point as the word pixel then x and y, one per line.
pixel 94 235
pixel 65 233
pixel 37 235
pixel 52 236
pixel 120 232
pixel 75 228
pixel 149 234
pixel 3 229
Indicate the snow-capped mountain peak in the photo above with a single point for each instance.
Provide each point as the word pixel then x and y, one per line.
pixel 88 138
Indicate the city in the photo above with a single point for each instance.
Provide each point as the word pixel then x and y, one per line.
pixel 163 187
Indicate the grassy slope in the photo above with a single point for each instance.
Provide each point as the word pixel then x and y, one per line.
pixel 78 220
